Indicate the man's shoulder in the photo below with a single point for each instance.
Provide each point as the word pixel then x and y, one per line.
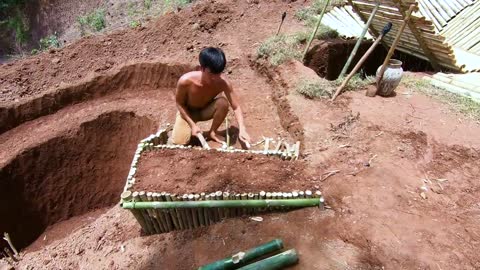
pixel 188 77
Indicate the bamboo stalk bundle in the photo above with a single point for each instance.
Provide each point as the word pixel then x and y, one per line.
pixel 127 196
pixel 151 213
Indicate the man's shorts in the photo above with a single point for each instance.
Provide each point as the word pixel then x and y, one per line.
pixel 182 132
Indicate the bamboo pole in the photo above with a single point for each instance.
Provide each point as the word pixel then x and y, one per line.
pixel 7 238
pixel 225 204
pixel 151 213
pixel 221 211
pixel 278 261
pixel 312 36
pixel 204 213
pixel 187 212
pixel 242 258
pixel 167 213
pixel 373 91
pixel 419 38
pixel 159 217
pixel 359 40
pixel 386 29
pixel 227 127
pixel 193 212
pixel 173 213
pixel 149 226
pixel 226 197
pixel 210 212
pixel 126 196
pixel 178 213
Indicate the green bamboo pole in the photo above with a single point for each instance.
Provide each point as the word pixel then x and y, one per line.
pixel 242 258
pixel 359 40
pixel 278 261
pixel 312 36
pixel 224 204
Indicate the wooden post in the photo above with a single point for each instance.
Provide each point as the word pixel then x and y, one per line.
pixel 371 28
pixel 386 29
pixel 419 38
pixel 359 40
pixel 373 92
pixel 327 2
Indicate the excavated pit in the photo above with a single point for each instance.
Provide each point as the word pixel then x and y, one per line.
pixel 69 175
pixel 327 58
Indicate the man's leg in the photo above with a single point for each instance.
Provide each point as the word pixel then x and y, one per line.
pixel 217 111
pixel 181 131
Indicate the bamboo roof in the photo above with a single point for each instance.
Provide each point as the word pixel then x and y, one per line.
pixel 443 32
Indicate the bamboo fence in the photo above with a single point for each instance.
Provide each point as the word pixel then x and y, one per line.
pixel 160 212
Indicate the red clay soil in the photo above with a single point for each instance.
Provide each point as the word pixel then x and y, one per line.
pixel 192 171
pixel 378 217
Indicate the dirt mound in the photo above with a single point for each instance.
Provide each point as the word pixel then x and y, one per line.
pixel 99 54
pixel 151 75
pixel 189 171
pixel 68 175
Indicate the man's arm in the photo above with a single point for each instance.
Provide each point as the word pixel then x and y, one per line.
pixel 181 98
pixel 234 102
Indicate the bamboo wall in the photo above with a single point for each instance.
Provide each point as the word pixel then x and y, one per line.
pixel 440 12
pixel 154 220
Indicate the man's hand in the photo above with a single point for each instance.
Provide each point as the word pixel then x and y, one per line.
pixel 243 136
pixel 195 130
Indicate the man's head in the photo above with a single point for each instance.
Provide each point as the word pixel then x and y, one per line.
pixel 212 59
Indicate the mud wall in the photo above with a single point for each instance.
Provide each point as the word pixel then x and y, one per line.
pixel 153 75
pixel 69 175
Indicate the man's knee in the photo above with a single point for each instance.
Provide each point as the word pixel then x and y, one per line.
pixel 221 104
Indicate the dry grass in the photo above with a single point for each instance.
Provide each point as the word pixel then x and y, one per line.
pixel 465 105
pixel 279 49
pixel 316 89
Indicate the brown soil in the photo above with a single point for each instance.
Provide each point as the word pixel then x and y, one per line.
pixel 187 171
pixel 378 218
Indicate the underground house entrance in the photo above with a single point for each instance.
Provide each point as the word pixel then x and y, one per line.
pixel 68 176
pixel 327 58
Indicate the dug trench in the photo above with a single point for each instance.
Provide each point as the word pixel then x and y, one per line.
pixel 75 151
pixel 68 175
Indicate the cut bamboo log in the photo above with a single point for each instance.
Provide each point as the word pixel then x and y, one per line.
pixel 179 213
pixel 243 258
pixel 173 213
pixel 221 211
pixel 149 226
pixel 224 204
pixel 226 197
pixel 193 212
pixel 151 213
pixel 157 214
pixel 7 238
pixel 278 261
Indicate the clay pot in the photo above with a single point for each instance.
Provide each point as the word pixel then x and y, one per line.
pixel 391 78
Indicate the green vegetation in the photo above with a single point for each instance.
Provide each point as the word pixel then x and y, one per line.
pixel 324 32
pixel 279 49
pixel 49 42
pixel 94 21
pixel 315 89
pixel 135 24
pixel 14 21
pixel 147 4
pixel 465 105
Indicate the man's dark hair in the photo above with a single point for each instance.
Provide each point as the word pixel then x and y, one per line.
pixel 213 59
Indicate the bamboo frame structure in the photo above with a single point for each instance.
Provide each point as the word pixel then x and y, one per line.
pixel 160 212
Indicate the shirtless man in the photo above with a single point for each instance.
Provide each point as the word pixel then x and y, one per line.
pixel 204 95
